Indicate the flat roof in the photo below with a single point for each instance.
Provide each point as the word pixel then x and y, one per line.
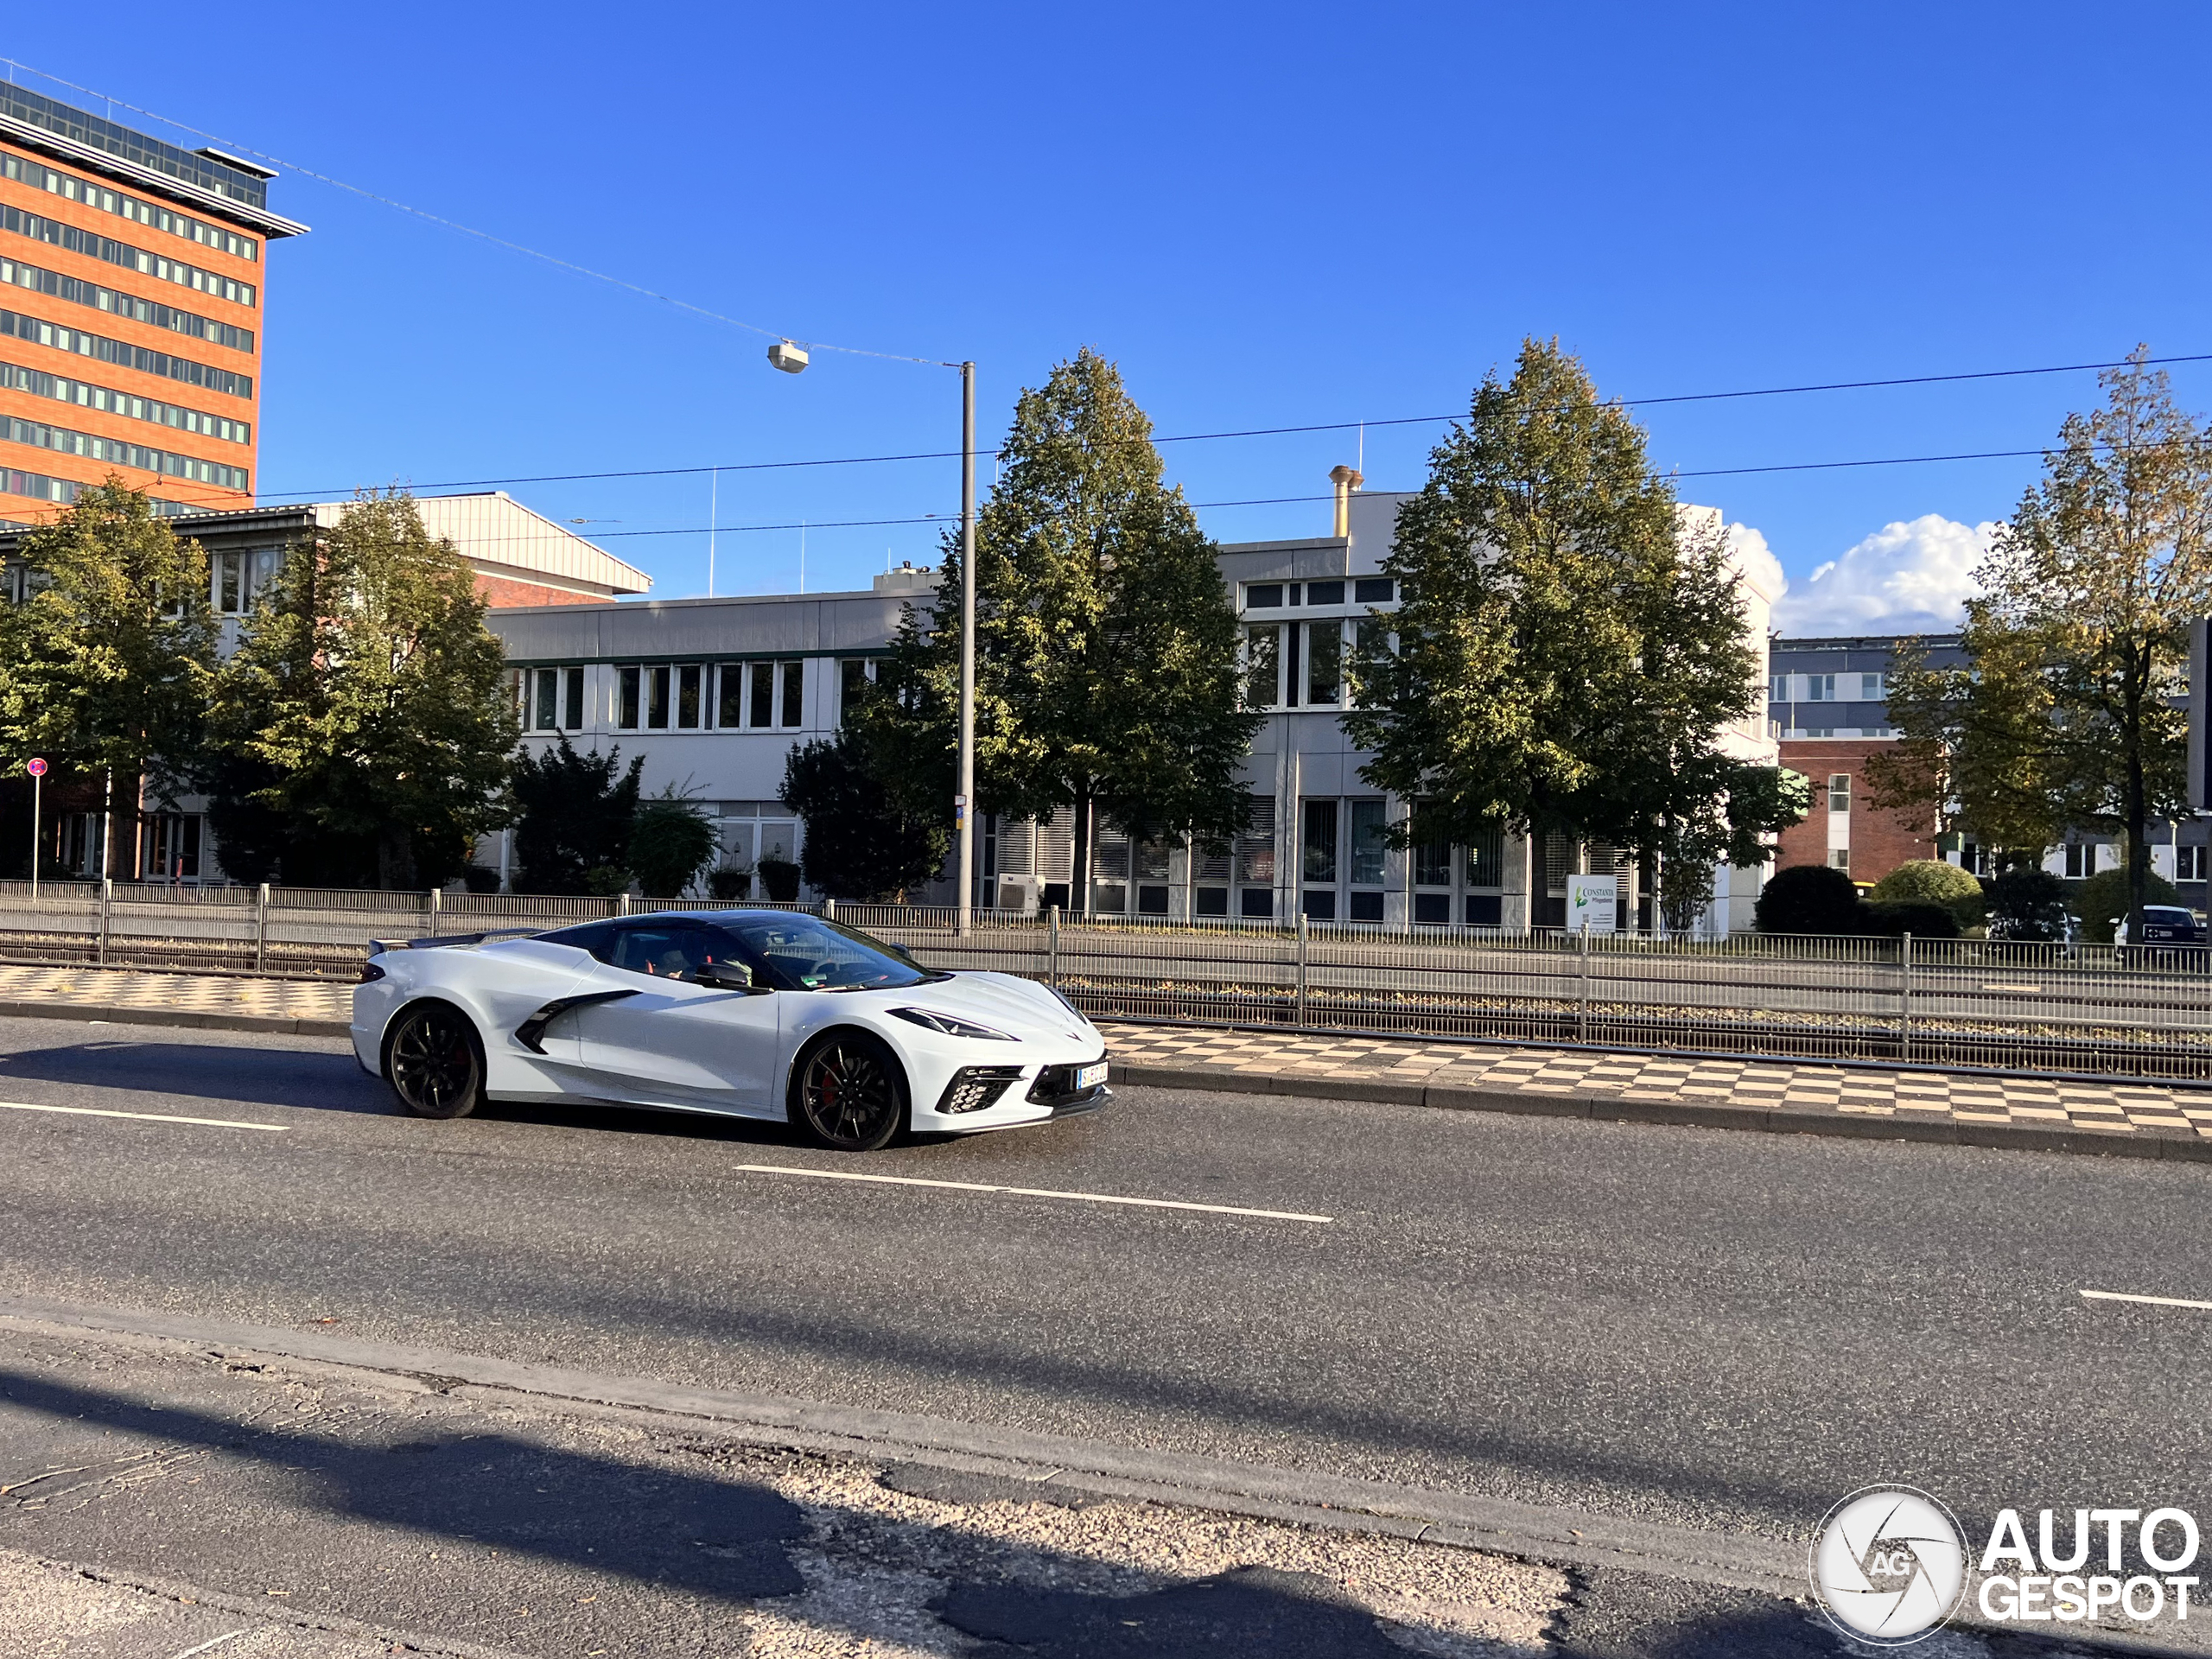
pixel 206 179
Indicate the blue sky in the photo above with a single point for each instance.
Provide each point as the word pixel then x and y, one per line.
pixel 1269 215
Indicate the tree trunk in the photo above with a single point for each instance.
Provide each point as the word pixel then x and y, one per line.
pixel 395 858
pixel 1647 887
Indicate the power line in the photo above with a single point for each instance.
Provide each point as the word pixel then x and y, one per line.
pixel 465 230
pixel 1341 426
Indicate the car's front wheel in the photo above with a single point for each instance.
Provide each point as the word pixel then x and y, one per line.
pixel 434 1062
pixel 850 1092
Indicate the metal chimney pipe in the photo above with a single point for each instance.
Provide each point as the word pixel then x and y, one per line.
pixel 1347 479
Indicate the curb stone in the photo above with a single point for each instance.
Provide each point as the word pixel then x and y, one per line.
pixel 1710 1115
pixel 31 1008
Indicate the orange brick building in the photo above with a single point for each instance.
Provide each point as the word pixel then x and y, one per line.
pixel 132 281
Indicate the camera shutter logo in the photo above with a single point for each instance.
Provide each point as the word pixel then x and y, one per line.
pixel 1889 1565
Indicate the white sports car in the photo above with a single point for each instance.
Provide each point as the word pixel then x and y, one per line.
pixel 752 1014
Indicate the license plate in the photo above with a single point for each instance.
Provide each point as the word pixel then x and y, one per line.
pixel 1090 1077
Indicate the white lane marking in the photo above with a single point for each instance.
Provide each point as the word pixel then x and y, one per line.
pixel 150 1118
pixel 217 1642
pixel 1036 1192
pixel 2155 1301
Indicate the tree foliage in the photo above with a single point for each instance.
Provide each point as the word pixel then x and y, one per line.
pixel 106 665
pixel 2077 643
pixel 671 843
pixel 1809 898
pixel 575 813
pixel 862 843
pixel 1570 652
pixel 2103 899
pixel 367 704
pixel 1105 640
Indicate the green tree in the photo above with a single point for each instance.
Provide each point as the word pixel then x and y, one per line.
pixel 368 699
pixel 862 843
pixel 1570 654
pixel 574 815
pixel 2077 643
pixel 671 843
pixel 1106 675
pixel 105 666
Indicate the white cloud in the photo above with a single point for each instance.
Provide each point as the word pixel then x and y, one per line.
pixel 1756 561
pixel 1905 578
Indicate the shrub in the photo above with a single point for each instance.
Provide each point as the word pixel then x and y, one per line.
pixel 1931 881
pixel 670 844
pixel 2102 898
pixel 730 885
pixel 2027 904
pixel 1918 917
pixel 480 878
pixel 780 877
pixel 1809 898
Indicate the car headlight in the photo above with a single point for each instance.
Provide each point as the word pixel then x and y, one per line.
pixel 950 1024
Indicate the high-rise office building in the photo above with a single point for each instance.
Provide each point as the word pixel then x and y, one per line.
pixel 132 280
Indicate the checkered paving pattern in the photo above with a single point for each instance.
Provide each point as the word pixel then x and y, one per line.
pixel 114 988
pixel 2043 1102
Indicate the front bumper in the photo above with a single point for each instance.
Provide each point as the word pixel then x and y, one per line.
pixel 1036 1093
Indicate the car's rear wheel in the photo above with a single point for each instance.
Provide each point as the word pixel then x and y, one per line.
pixel 849 1091
pixel 434 1062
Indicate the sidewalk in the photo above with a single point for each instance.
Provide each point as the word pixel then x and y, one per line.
pixel 2046 1114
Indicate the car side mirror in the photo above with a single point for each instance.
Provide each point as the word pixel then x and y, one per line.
pixel 726 977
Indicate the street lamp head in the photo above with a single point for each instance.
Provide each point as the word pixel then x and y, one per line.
pixel 791 358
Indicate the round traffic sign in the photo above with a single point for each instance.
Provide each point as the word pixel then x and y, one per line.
pixel 36 768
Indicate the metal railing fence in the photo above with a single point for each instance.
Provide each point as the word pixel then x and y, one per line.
pixel 2105 1010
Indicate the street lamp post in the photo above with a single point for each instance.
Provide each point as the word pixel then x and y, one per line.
pixel 792 358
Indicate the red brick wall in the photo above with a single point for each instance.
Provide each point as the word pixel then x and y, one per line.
pixel 502 590
pixel 1880 840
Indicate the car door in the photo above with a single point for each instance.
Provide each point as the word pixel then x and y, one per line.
pixel 676 1042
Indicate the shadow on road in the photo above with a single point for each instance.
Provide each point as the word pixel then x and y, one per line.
pixel 538 1520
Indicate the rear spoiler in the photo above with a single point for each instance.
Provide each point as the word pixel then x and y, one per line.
pixel 377 947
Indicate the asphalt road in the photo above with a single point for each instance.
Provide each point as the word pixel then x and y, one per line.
pixel 1726 1331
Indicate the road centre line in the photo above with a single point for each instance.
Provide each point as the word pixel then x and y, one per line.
pixel 2155 1301
pixel 1037 1192
pixel 148 1117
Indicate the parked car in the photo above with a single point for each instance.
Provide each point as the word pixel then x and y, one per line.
pixel 2166 928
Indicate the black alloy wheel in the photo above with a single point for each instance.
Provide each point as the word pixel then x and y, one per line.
pixel 849 1093
pixel 434 1062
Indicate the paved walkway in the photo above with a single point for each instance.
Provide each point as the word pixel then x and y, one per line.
pixel 2056 1114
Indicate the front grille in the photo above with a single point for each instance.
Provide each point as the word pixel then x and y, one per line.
pixel 1055 1085
pixel 974 1087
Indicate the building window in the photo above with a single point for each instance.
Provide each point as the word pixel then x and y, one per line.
pixel 626 682
pixel 39 176
pixel 14 377
pixel 1263 596
pixel 688 700
pixel 1318 858
pixel 1325 593
pixel 1777 688
pixel 62 440
pixel 2189 863
pixel 760 707
pixel 77 291
pixel 1839 859
pixel 546 715
pixel 71 239
pixel 172 845
pixel 794 677
pixel 1839 791
pixel 2077 860
pixel 1819 688
pixel 1325 653
pixel 1263 666
pixel 656 697
pixel 730 700
pixel 1254 856
pixel 854 679
pixel 1873 686
pixel 100 348
pixel 1374 590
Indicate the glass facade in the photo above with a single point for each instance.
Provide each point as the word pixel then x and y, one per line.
pixel 16 326
pixel 73 238
pixel 203 172
pixel 23 169
pixel 39 487
pixel 77 291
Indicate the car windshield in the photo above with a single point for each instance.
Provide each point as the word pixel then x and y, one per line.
pixel 808 953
